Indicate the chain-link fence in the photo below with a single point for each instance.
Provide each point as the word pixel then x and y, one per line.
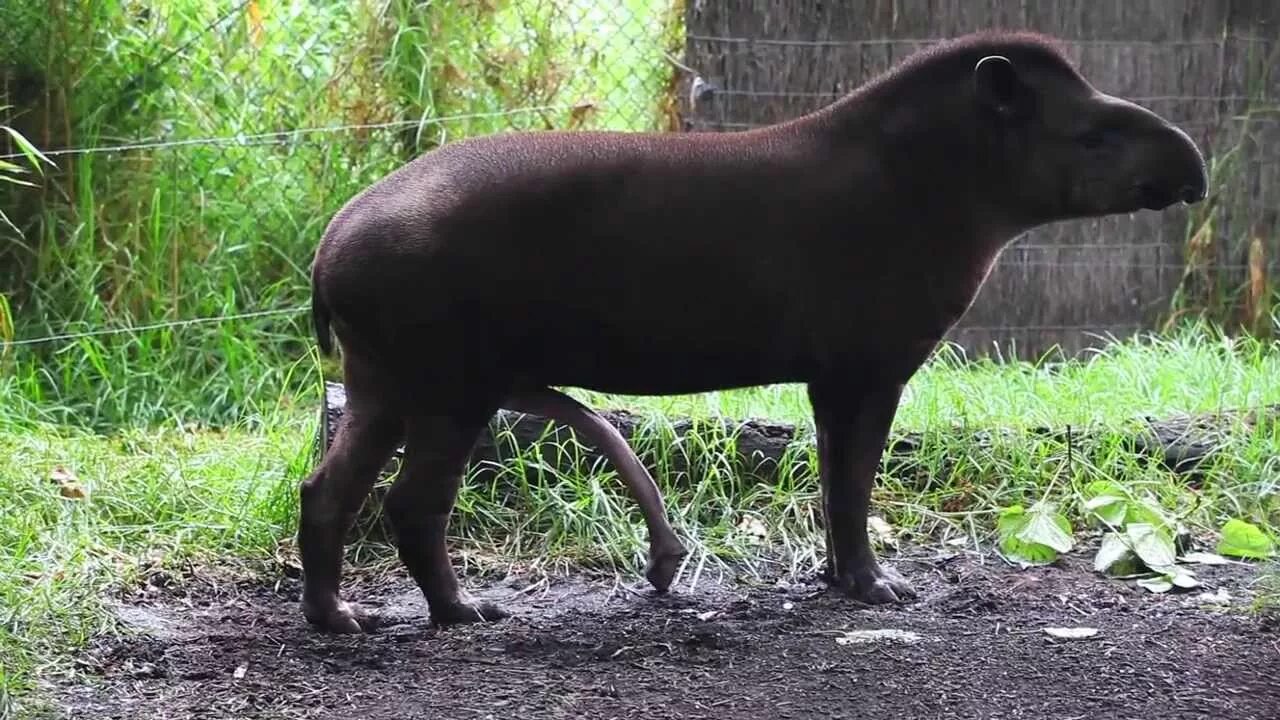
pixel 213 131
pixel 202 148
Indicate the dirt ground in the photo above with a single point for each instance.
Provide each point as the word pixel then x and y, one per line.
pixel 973 645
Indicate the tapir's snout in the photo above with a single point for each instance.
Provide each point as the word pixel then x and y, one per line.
pixel 1181 177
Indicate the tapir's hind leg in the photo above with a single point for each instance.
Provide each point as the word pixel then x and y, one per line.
pixel 332 494
pixel 665 549
pixel 437 445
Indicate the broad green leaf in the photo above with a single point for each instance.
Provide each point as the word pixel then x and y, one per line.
pixel 1106 501
pixel 1046 527
pixel 1032 537
pixel 1012 521
pixel 1103 487
pixel 1158 584
pixel 1110 509
pixel 1204 558
pixel 1010 518
pixel 1153 545
pixel 1147 511
pixel 1114 554
pixel 1179 577
pixel 1184 578
pixel 1242 539
pixel 1026 553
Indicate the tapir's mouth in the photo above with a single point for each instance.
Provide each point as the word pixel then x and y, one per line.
pixel 1155 197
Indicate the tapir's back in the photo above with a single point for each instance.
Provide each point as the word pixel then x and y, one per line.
pixel 586 259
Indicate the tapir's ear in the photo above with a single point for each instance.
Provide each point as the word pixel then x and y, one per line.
pixel 998 87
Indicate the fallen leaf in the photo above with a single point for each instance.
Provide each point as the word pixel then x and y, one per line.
pixel 68 484
pixel 74 491
pixel 1072 633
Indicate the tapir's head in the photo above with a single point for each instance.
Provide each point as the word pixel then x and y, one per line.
pixel 1058 148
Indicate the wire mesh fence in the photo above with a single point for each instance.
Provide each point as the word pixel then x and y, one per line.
pixel 1207 66
pixel 202 148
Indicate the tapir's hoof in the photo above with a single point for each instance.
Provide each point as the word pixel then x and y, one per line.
pixel 875 585
pixel 459 613
pixel 662 566
pixel 342 617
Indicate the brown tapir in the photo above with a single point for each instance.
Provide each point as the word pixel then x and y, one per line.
pixel 833 250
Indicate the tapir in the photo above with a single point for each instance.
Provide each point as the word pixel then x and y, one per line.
pixel 833 250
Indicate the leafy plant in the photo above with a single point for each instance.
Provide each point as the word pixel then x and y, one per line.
pixel 11 172
pixel 1140 539
pixel 1034 536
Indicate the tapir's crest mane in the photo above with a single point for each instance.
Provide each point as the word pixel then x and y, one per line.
pixel 1022 47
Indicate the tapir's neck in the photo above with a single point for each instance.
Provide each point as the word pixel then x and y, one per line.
pixel 926 146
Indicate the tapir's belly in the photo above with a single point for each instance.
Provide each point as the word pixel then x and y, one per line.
pixel 659 338
pixel 653 363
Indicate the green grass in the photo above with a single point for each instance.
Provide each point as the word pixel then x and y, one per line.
pixel 177 494
pixel 225 227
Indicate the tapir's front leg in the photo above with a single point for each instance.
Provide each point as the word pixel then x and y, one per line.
pixel 852 424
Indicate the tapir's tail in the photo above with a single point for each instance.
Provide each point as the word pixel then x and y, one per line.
pixel 320 321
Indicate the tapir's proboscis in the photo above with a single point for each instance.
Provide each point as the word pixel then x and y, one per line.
pixel 834 250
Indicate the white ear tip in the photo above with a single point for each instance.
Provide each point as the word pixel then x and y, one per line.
pixel 992 59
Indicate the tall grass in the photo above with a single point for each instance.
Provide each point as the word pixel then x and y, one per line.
pixel 226 227
pixel 1231 241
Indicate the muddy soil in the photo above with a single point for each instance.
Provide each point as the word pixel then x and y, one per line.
pixel 973 645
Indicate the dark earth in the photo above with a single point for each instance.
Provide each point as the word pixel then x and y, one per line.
pixel 973 645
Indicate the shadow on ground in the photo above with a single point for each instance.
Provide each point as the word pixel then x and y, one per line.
pixel 972 646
